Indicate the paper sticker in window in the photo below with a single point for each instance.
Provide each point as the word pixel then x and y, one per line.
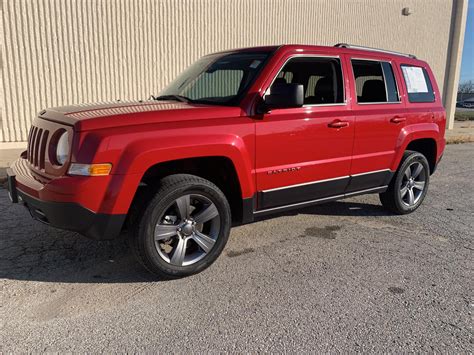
pixel 415 79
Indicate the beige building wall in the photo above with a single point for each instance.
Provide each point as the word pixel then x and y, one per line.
pixel 56 52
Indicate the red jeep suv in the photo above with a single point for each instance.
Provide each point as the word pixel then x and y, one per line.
pixel 238 135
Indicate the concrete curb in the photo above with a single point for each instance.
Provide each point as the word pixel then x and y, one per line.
pixel 460 139
pixel 3 178
pixel 3 175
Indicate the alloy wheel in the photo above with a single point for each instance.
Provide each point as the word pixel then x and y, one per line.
pixel 413 184
pixel 188 229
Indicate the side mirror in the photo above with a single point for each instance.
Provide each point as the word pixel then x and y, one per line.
pixel 285 96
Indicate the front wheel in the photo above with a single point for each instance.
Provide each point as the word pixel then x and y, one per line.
pixel 184 228
pixel 409 186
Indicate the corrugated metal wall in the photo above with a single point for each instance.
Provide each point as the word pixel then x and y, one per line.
pixel 57 52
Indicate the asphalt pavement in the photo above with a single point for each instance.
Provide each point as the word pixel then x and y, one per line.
pixel 341 277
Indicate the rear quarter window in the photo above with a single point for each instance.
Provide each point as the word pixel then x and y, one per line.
pixel 418 84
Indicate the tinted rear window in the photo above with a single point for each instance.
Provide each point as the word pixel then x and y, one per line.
pixel 418 84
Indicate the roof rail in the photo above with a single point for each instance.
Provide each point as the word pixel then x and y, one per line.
pixel 345 45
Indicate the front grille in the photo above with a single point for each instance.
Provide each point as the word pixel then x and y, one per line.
pixel 41 139
pixel 37 143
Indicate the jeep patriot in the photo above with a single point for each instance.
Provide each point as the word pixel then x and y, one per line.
pixel 238 135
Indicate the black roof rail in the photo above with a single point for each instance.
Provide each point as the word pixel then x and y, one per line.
pixel 345 45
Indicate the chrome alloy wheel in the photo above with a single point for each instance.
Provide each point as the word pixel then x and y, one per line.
pixel 188 230
pixel 413 184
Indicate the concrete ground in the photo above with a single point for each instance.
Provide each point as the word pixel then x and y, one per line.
pixel 341 277
pixel 464 109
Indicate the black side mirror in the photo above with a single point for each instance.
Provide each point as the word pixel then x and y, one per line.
pixel 285 96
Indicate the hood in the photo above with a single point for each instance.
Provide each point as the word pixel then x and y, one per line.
pixel 116 114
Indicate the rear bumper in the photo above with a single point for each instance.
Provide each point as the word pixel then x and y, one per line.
pixel 437 164
pixel 64 215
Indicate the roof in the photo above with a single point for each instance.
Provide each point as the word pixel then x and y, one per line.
pixel 338 48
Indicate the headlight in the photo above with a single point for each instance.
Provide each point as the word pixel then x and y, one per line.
pixel 62 148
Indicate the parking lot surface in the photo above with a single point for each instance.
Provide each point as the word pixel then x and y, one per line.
pixel 345 276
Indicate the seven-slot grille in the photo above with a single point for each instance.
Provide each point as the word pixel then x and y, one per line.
pixel 37 145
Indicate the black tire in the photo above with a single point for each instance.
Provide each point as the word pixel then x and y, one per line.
pixel 392 199
pixel 172 189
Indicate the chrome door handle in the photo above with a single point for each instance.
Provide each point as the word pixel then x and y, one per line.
pixel 338 124
pixel 398 119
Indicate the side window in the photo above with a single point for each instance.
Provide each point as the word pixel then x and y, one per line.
pixel 375 81
pixel 418 84
pixel 320 77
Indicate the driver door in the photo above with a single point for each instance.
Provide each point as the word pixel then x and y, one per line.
pixel 304 153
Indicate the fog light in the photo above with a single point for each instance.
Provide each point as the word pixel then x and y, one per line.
pixel 90 169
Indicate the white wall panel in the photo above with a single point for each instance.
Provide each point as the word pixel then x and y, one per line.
pixel 56 52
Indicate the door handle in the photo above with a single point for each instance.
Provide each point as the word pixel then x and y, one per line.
pixel 398 119
pixel 338 124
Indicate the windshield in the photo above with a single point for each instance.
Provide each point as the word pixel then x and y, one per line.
pixel 217 79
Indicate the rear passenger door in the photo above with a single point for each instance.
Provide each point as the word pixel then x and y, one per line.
pixel 380 115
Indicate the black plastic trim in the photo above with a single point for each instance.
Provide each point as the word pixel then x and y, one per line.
pixel 248 207
pixel 299 193
pixel 304 204
pixel 11 186
pixel 74 217
pixel 295 196
pixel 369 180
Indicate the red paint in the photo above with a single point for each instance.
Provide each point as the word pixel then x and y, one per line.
pixel 307 143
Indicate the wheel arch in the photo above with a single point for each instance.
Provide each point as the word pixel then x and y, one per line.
pixel 220 170
pixel 422 138
pixel 427 147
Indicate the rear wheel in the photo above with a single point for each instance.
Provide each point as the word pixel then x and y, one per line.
pixel 409 186
pixel 184 228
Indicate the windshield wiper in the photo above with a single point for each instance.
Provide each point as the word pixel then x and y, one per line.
pixel 173 97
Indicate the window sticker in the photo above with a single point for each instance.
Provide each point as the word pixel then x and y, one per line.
pixel 415 79
pixel 255 64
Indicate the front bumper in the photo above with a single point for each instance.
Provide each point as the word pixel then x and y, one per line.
pixel 66 215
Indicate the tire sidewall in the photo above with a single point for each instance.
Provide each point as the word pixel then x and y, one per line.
pixel 410 159
pixel 155 210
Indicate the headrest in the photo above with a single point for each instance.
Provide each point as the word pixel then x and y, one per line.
pixel 373 91
pixel 324 85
